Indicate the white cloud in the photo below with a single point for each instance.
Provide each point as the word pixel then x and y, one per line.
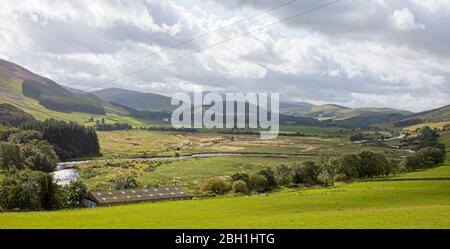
pixel 434 5
pixel 404 19
pixel 355 52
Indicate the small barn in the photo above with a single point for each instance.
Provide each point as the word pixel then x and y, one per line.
pixel 126 196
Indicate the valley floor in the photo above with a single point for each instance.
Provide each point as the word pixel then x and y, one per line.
pixel 405 204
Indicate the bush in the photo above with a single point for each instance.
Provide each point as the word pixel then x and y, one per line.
pixel 257 182
pixel 307 173
pixel 240 177
pixel 283 175
pixel 341 178
pixel 125 182
pixel 269 175
pixel 240 186
pixel 74 193
pixel 326 178
pixel 25 136
pixel 216 185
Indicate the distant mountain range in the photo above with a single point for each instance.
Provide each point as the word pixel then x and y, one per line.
pixel 44 98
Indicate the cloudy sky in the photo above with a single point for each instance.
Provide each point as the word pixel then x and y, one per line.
pixel 357 53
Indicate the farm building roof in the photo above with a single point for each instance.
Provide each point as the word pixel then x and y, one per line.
pixel 139 195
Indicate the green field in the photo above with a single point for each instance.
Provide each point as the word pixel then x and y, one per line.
pixel 186 172
pixel 412 204
pixel 438 172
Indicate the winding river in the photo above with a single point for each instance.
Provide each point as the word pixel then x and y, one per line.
pixel 66 172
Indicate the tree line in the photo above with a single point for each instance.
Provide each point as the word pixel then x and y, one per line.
pixel 70 139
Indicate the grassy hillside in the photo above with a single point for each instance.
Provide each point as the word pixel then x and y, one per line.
pixel 412 204
pixel 137 100
pixel 344 116
pixel 48 93
pixel 11 92
pixel 433 125
pixel 432 116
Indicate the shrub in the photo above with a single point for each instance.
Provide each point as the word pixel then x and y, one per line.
pixel 283 175
pixel 125 182
pixel 326 178
pixel 216 185
pixel 239 176
pixel 310 172
pixel 240 186
pixel 89 173
pixel 269 175
pixel 257 182
pixel 25 136
pixel 74 193
pixel 341 178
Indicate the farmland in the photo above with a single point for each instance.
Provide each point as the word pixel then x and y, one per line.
pixel 376 204
pixel 140 143
pixel 186 172
pixel 411 204
pixel 119 145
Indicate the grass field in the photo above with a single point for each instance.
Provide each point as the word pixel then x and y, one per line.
pixel 186 172
pixel 133 143
pixel 412 204
pixel 438 172
pixel 139 143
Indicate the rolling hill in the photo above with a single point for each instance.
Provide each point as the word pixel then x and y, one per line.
pixel 337 112
pixel 48 93
pixel 337 115
pixel 137 100
pixel 43 98
pixel 440 114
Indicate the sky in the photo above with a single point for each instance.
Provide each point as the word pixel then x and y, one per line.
pixel 357 53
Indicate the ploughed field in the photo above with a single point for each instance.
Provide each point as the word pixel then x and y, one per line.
pixel 402 204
